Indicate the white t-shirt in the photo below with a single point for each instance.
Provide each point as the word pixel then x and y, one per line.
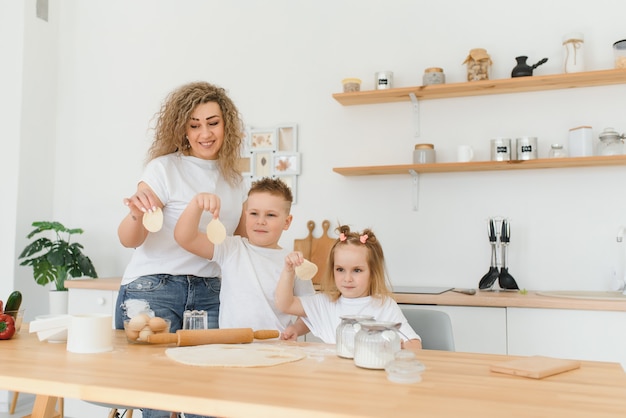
pixel 324 316
pixel 249 278
pixel 176 179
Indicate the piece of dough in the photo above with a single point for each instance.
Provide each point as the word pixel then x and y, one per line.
pixel 306 270
pixel 153 221
pixel 216 231
pixel 234 355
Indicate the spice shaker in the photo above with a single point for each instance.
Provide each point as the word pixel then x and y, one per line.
pixel 573 58
pixel 346 331
pixel 478 65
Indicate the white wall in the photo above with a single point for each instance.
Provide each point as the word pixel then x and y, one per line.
pixel 282 60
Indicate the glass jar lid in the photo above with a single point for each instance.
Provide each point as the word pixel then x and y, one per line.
pixel 405 368
pixel 610 134
pixel 380 326
pixel 351 319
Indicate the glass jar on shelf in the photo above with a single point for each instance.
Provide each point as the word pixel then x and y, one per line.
pixel 478 65
pixel 611 142
pixel 557 151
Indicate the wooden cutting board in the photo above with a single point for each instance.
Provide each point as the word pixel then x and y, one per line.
pixel 536 367
pixel 316 250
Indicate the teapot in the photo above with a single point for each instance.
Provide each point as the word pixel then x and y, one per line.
pixel 522 69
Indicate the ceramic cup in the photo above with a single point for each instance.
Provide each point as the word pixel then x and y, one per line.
pixel 464 153
pixel 501 149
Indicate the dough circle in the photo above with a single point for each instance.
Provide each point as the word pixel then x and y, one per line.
pixel 234 355
pixel 306 270
pixel 153 221
pixel 216 231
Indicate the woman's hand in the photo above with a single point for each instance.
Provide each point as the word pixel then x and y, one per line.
pixel 144 200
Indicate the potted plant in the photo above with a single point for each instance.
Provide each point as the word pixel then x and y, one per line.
pixel 54 261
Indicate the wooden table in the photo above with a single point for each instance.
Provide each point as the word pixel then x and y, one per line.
pixel 322 385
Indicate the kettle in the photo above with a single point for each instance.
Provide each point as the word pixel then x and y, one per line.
pixel 522 69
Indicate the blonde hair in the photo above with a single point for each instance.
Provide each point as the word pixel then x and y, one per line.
pixel 171 124
pixel 379 281
pixel 273 186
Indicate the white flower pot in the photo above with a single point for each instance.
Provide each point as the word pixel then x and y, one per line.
pixel 58 302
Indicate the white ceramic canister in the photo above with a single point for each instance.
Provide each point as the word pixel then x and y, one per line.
pixel 346 331
pixel 580 141
pixel 376 343
pixel 383 80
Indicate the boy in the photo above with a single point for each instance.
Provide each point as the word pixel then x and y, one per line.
pixel 250 266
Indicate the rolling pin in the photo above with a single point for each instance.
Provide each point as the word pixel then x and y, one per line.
pixel 187 337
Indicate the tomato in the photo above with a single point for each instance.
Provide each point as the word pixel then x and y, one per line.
pixel 7 326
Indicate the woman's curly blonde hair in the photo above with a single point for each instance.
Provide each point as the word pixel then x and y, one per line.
pixel 172 118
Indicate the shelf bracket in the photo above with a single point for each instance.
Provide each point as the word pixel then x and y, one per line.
pixel 416 115
pixel 416 188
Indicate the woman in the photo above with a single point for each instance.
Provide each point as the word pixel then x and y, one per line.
pixel 195 149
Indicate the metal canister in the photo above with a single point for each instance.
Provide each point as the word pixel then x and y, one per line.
pixel 383 80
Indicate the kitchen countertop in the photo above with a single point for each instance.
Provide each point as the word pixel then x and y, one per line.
pixel 497 299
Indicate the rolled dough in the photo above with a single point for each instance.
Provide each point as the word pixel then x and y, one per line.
pixel 234 355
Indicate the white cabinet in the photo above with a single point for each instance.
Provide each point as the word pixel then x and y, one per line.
pixel 567 333
pixel 476 329
pixel 86 301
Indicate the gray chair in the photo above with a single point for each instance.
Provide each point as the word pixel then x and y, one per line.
pixel 434 327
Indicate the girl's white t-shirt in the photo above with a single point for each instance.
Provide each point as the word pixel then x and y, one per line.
pixel 323 316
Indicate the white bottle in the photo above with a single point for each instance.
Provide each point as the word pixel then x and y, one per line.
pixel 573 53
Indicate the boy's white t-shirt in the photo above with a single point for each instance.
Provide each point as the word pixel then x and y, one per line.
pixel 324 316
pixel 249 278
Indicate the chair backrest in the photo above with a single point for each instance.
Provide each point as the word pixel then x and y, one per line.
pixel 434 327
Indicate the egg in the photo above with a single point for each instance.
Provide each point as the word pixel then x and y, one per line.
pixel 144 333
pixel 157 324
pixel 132 335
pixel 138 323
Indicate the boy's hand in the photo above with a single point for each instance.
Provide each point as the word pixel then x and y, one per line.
pixel 209 202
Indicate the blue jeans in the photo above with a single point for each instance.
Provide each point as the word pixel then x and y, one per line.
pixel 169 296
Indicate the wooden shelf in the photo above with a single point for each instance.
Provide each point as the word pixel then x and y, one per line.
pixel 596 161
pixel 486 87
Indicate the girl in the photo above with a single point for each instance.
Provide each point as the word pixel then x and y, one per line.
pixel 355 283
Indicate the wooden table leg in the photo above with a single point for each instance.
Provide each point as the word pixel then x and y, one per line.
pixel 44 407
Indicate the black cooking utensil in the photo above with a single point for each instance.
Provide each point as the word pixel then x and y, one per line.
pixel 490 277
pixel 505 280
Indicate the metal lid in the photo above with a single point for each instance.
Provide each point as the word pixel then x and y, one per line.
pixel 609 134
pixel 424 146
pixel 380 326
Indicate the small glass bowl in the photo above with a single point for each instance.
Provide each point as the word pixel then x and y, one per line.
pixel 18 318
pixel 137 329
pixel 405 368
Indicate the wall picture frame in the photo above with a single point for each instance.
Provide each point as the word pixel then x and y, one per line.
pixel 263 140
pixel 286 163
pixel 263 164
pixel 288 138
